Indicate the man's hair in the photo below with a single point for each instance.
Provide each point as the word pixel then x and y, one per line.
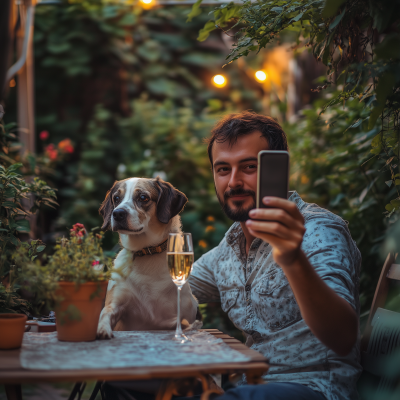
pixel 232 126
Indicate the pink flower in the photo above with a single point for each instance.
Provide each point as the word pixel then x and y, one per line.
pixel 95 263
pixel 44 135
pixel 78 230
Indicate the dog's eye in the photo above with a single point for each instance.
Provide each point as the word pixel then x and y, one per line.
pixel 117 199
pixel 144 198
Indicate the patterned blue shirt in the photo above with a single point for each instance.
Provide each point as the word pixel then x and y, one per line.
pixel 255 293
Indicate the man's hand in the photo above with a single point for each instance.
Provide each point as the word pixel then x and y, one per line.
pixel 282 226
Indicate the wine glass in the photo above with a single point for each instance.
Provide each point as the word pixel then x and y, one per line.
pixel 180 258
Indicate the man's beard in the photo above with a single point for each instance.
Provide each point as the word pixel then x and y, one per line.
pixel 240 214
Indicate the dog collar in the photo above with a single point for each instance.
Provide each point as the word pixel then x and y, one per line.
pixel 150 251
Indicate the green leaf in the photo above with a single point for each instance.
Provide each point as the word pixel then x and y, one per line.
pixel 337 20
pixel 14 167
pixel 40 248
pixel 14 240
pixel 10 192
pixel 195 11
pixel 389 207
pixel 32 162
pixel 205 32
pixel 296 18
pixel 9 204
pixel 383 89
pixel 23 225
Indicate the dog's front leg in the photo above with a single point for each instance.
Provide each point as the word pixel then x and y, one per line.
pixel 110 314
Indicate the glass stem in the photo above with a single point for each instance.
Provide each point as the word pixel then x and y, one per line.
pixel 178 332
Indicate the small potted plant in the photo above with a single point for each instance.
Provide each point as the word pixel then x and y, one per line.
pixel 72 281
pixel 13 315
pixel 14 310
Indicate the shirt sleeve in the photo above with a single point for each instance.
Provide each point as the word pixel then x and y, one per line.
pixel 202 280
pixel 334 255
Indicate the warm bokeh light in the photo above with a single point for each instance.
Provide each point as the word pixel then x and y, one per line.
pixel 147 4
pixel 12 83
pixel 261 76
pixel 219 81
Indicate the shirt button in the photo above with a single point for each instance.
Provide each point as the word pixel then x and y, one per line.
pixel 248 287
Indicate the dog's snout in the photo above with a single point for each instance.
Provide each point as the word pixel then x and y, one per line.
pixel 119 214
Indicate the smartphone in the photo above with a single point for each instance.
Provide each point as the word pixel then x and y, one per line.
pixel 272 175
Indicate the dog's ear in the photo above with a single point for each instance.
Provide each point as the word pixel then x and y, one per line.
pixel 170 201
pixel 107 208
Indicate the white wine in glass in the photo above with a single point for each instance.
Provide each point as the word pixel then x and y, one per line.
pixel 180 259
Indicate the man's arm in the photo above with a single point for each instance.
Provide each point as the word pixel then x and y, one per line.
pixel 201 280
pixel 330 317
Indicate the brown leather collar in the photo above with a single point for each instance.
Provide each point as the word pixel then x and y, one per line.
pixel 150 251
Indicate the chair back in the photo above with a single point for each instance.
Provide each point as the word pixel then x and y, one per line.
pixel 382 333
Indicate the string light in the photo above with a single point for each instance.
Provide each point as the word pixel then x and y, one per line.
pixel 147 4
pixel 219 81
pixel 261 76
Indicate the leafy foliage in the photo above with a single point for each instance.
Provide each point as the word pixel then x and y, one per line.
pixel 79 259
pixel 331 165
pixel 13 188
pixel 132 91
pixel 11 302
pixel 358 40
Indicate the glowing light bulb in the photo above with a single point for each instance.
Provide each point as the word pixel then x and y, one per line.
pixel 219 81
pixel 261 76
pixel 147 4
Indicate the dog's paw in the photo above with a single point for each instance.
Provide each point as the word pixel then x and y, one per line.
pixel 193 327
pixel 104 332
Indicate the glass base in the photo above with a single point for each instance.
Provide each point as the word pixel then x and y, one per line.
pixel 181 338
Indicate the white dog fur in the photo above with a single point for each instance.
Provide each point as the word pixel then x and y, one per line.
pixel 143 296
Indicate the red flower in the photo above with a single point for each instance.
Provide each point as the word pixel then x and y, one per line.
pixel 44 135
pixel 95 263
pixel 51 152
pixel 66 146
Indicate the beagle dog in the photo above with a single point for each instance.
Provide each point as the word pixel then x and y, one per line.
pixel 142 295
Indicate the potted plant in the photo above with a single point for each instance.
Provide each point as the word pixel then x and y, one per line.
pixel 72 281
pixel 13 315
pixel 14 224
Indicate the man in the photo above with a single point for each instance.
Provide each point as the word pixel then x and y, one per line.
pixel 287 276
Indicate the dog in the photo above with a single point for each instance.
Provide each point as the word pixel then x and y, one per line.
pixel 142 296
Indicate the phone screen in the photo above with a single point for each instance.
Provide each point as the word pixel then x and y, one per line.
pixel 273 175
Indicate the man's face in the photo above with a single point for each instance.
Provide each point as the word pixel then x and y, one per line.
pixel 235 174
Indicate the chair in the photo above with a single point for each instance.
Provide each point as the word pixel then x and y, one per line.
pixel 381 336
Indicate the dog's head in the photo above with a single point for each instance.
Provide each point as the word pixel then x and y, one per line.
pixel 132 204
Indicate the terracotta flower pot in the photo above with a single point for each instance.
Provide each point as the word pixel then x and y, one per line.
pixel 12 328
pixel 88 299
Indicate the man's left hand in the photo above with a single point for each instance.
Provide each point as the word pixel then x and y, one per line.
pixel 282 226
